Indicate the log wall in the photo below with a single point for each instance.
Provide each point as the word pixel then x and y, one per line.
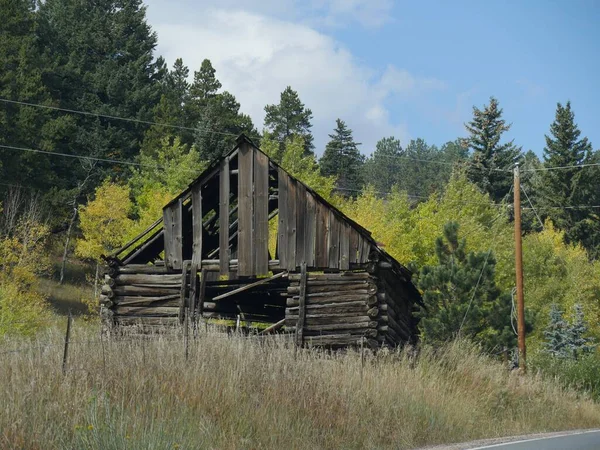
pixel 350 308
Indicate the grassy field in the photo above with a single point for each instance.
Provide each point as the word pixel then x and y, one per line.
pixel 236 392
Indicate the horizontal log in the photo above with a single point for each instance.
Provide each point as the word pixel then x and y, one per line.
pixel 342 276
pixel 247 317
pixel 365 299
pixel 342 282
pixel 165 311
pixel 132 300
pixel 140 278
pixel 358 306
pixel 334 339
pixel 310 289
pixel 139 269
pixel 341 326
pixel 148 291
pixel 133 320
pixel 325 319
pixel 366 332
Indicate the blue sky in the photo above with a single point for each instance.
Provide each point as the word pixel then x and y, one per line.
pixel 409 69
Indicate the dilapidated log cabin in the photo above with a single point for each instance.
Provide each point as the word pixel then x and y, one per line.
pixel 248 242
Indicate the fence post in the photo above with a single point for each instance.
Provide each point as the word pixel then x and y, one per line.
pixel 186 331
pixel 67 339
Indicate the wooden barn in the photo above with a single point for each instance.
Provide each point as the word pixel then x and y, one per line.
pixel 248 242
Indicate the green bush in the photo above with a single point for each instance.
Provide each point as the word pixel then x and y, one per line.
pixel 582 374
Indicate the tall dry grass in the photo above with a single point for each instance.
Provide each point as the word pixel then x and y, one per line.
pixel 235 392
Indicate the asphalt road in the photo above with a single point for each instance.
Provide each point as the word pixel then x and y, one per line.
pixel 587 440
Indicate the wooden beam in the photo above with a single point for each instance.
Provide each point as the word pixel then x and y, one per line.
pixel 302 307
pixel 245 246
pixel 249 286
pixel 261 213
pixel 224 217
pixel 197 226
pixel 274 327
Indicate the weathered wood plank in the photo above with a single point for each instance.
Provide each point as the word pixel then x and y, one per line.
pixel 343 277
pixel 168 235
pixel 147 278
pixel 261 213
pixel 301 307
pixel 310 229
pixel 245 211
pixel 178 235
pixel 300 224
pixel 334 241
pixel 366 247
pixel 282 247
pixel 224 217
pixel 197 227
pixel 291 224
pixel 322 236
pixel 344 246
pixel 353 246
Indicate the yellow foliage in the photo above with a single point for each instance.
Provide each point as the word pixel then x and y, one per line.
pixel 105 221
pixel 22 259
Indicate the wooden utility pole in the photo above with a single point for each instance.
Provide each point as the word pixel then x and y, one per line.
pixel 519 270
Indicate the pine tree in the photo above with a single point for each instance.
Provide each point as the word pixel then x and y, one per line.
pixel 557 334
pixel 380 169
pixel 559 188
pixel 21 69
pixel 205 83
pixel 342 159
pixel 461 295
pixel 491 161
pixel 99 58
pixel 289 117
pixel 221 114
pixel 579 341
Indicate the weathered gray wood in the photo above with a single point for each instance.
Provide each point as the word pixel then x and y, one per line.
pixel 193 290
pixel 313 289
pixel 137 269
pixel 140 278
pixel 282 220
pixel 365 251
pixel 335 339
pixel 249 286
pixel 224 217
pixel 202 293
pixel 182 298
pixel 245 211
pixel 340 326
pixel 138 237
pixel 310 229
pixel 146 291
pixel 343 276
pixel 172 311
pixel 360 248
pixel 300 224
pixel 344 246
pixel 291 224
pixel 323 319
pixel 369 301
pixel 354 307
pixel 353 258
pixel 274 327
pixel 178 235
pixel 334 241
pixel 143 320
pixel 322 236
pixel 197 227
pixel 168 235
pixel 301 307
pixel 261 213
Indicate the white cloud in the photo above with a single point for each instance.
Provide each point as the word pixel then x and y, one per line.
pixel 256 57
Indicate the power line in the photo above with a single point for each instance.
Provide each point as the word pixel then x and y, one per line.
pixel 106 116
pixel 532 207
pixel 577 166
pixel 89 158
